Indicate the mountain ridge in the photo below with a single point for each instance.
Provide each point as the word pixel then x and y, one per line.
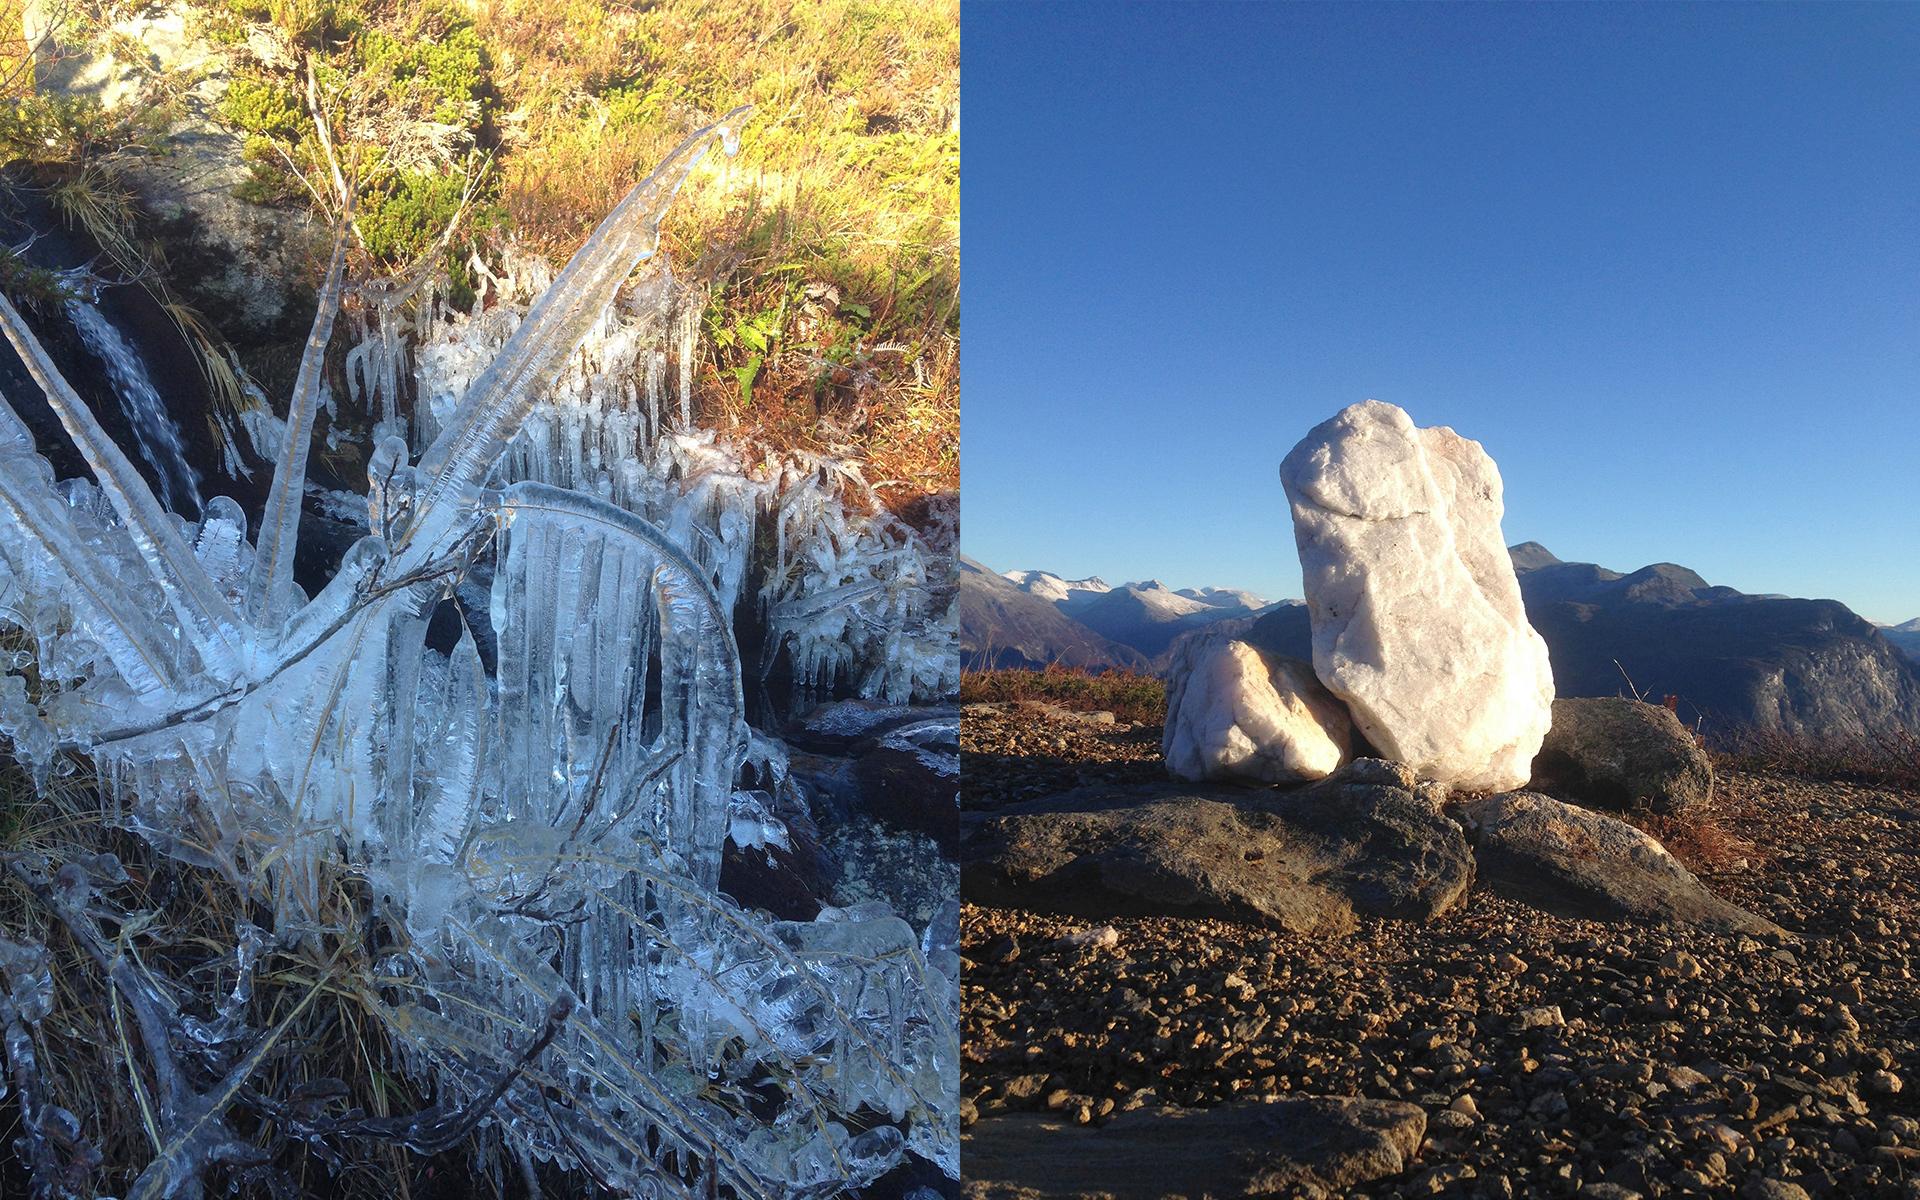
pixel 1731 659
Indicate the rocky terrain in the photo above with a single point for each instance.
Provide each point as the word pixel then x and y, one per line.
pixel 1495 1050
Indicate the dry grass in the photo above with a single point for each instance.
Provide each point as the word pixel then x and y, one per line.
pixel 1127 695
pixel 829 246
pixel 178 925
pixel 1882 760
pixel 1698 839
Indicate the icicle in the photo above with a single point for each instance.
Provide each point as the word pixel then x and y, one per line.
pixel 270 586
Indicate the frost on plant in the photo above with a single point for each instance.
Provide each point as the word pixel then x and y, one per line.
pixel 537 815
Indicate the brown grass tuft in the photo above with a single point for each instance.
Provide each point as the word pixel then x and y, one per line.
pixel 1881 760
pixel 1127 695
pixel 1698 840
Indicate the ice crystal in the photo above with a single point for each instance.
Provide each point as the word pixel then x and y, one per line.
pixel 540 811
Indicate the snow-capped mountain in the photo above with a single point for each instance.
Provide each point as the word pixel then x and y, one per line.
pixel 1054 590
pixel 1225 597
pixel 1145 615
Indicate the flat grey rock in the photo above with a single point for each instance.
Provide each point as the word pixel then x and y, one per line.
pixel 1310 861
pixel 1305 1146
pixel 1577 863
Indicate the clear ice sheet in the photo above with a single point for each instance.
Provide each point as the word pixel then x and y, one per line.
pixel 545 835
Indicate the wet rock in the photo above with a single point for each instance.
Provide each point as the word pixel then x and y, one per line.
pixel 1621 754
pixel 1308 1146
pixel 1577 863
pixel 910 778
pixel 845 727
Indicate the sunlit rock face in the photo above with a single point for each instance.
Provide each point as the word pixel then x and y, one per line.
pixel 1417 620
pixel 1234 712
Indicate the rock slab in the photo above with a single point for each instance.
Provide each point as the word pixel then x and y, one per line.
pixel 1305 1146
pixel 1310 861
pixel 1621 754
pixel 1574 862
pixel 1235 712
pixel 1416 612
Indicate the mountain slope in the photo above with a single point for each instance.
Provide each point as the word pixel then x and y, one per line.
pixel 1804 667
pixel 1002 625
pixel 1148 616
pixel 1905 637
pixel 1809 668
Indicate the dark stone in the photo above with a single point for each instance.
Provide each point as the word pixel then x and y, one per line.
pixel 911 778
pixel 1304 1146
pixel 1622 754
pixel 777 881
pixel 1578 863
pixel 1308 861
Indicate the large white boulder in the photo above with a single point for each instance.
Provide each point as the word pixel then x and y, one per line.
pixel 1416 613
pixel 1234 712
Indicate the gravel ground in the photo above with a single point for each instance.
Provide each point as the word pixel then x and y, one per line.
pixel 1554 1057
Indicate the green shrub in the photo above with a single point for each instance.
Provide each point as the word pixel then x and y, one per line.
pixel 402 222
pixel 263 108
pixel 440 64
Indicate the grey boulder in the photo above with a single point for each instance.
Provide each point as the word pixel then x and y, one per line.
pixel 1307 1146
pixel 1621 754
pixel 1310 861
pixel 1578 863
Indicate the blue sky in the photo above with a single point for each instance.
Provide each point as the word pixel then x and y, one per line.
pixel 1663 262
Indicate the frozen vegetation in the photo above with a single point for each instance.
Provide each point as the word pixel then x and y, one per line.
pixel 530 821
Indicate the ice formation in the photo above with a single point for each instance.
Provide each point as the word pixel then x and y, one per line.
pixel 541 824
pixel 852 599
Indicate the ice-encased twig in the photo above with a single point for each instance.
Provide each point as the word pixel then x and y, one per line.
pixel 499 399
pixel 270 585
pixel 48 541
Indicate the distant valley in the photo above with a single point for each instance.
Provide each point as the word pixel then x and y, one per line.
pixel 1731 660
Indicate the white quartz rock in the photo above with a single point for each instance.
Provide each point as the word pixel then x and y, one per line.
pixel 1234 712
pixel 1416 613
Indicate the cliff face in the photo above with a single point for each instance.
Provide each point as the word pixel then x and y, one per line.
pixel 1805 667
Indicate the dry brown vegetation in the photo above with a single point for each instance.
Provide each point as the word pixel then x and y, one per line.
pixel 1884 760
pixel 1129 696
pixel 829 246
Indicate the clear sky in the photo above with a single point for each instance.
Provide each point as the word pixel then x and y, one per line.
pixel 1662 261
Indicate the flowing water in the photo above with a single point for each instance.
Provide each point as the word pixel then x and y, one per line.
pixel 154 430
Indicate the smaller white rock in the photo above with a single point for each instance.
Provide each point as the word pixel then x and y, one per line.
pixel 1235 712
